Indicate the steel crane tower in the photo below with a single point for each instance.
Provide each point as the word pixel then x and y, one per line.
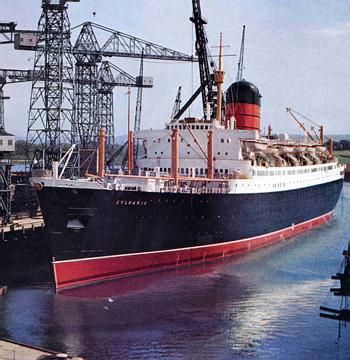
pixel 105 102
pixel 88 54
pixel 52 101
pixel 208 85
pixel 138 110
pixel 241 58
pixel 7 76
pixel 110 76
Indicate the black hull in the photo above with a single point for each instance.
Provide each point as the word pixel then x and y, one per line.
pixel 102 223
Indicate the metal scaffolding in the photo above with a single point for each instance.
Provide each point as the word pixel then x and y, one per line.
pixel 206 64
pixel 94 102
pixel 87 58
pixel 105 103
pixel 52 100
pixel 109 77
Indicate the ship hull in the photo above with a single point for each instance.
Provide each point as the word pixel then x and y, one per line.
pixel 98 234
pixel 77 272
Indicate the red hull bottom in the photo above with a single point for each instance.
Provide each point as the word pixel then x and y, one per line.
pixel 78 272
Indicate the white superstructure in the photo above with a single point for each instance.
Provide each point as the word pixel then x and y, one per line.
pixel 243 163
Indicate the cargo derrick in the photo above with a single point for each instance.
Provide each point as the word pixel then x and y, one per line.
pixel 319 136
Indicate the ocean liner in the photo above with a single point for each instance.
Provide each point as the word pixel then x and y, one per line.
pixel 201 189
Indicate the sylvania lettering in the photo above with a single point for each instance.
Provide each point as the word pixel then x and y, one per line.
pixel 131 202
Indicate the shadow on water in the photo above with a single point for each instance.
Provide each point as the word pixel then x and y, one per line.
pixel 260 305
pixel 25 258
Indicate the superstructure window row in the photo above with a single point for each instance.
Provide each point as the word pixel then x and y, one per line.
pixel 193 127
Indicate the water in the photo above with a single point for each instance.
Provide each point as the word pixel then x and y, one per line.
pixel 18 167
pixel 262 305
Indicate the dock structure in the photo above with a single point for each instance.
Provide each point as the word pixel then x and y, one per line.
pixel 22 225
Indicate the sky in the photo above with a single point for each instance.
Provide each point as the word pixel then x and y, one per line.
pixel 297 53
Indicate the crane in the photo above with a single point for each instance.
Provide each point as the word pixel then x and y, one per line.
pixel 7 31
pixel 110 76
pixel 291 112
pixel 88 53
pixel 138 110
pixel 51 115
pixel 9 34
pixel 52 120
pixel 177 103
pixel 124 45
pixel 208 85
pixel 7 76
pixel 241 58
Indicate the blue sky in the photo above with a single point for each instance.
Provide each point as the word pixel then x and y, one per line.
pixel 297 53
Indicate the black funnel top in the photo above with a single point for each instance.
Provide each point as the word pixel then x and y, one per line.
pixel 243 92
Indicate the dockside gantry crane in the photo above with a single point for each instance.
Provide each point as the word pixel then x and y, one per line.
pixel 10 76
pixel 206 65
pixel 7 141
pixel 138 109
pixel 63 106
pixel 88 53
pixel 110 76
pixel 9 34
pixel 208 86
pixel 51 113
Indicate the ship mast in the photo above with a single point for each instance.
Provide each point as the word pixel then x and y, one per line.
pixel 219 79
pixel 130 138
